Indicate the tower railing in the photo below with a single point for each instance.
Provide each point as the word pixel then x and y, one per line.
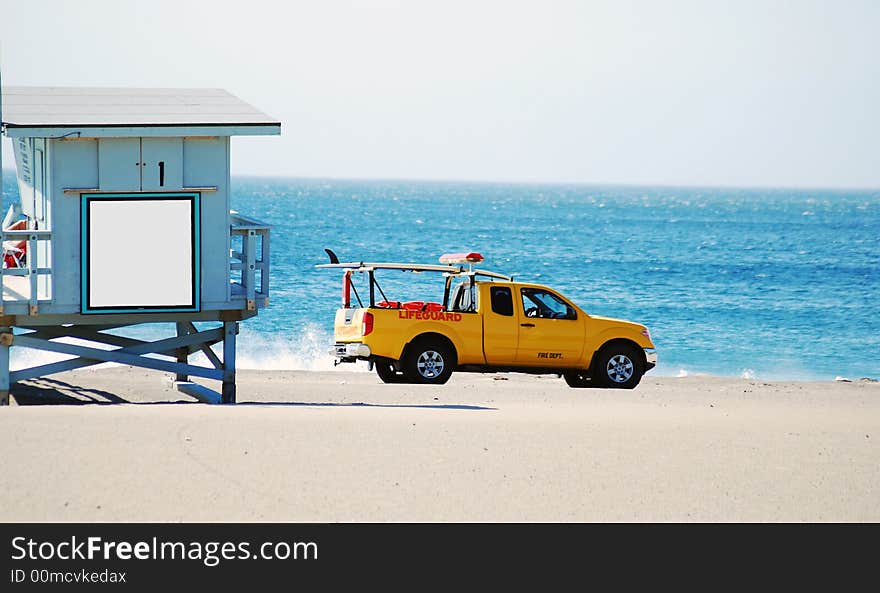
pixel 249 261
pixel 34 266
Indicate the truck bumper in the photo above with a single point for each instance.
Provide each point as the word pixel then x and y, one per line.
pixel 650 358
pixel 350 351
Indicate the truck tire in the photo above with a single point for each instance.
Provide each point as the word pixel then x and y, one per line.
pixel 578 379
pixel 387 373
pixel 428 362
pixel 618 367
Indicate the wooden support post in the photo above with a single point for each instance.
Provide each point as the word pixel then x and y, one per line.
pixel 4 367
pixel 200 392
pixel 182 353
pixel 206 347
pixel 230 328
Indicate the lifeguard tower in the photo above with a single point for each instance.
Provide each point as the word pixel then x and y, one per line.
pixel 125 220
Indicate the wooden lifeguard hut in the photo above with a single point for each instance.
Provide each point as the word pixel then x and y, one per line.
pixel 125 220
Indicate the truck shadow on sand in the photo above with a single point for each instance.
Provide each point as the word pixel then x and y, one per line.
pixel 368 405
pixel 44 391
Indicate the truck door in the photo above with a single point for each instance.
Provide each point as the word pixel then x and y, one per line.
pixel 551 333
pixel 500 326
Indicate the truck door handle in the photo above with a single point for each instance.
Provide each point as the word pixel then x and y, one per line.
pixel 527 325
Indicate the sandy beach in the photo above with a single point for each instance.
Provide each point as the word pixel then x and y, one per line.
pixel 119 444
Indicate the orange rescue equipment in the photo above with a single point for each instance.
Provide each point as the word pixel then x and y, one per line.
pixel 346 289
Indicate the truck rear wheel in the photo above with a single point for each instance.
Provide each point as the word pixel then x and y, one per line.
pixel 428 362
pixel 387 373
pixel 618 367
pixel 578 379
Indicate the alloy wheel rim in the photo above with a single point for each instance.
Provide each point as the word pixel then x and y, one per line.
pixel 620 368
pixel 430 364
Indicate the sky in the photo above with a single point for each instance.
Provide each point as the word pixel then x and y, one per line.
pixel 672 92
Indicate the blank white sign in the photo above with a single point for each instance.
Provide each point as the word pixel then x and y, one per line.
pixel 140 253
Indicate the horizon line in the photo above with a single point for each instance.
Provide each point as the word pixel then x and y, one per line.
pixel 566 183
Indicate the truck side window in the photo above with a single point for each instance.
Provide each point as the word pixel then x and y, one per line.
pixel 502 300
pixel 546 305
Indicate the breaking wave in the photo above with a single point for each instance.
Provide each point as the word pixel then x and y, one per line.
pixel 307 349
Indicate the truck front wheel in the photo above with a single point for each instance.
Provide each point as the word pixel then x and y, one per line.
pixel 618 367
pixel 428 362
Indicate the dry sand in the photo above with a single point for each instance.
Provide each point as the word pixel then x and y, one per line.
pixel 341 446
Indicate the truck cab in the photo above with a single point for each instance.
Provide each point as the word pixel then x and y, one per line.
pixel 485 322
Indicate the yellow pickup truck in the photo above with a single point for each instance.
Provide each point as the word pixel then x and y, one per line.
pixel 485 322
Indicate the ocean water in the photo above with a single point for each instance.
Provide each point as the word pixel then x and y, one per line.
pixel 758 283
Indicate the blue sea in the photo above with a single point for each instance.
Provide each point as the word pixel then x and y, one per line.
pixel 755 283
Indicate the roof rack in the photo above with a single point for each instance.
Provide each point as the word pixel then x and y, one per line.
pixel 450 270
